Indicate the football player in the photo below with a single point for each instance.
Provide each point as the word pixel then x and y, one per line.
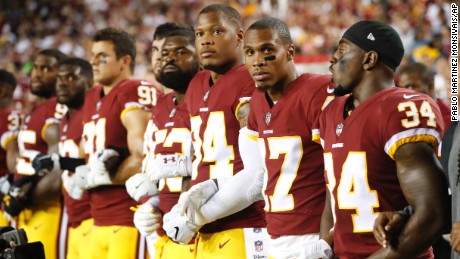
pixel 217 100
pixel 9 129
pixel 284 117
pixel 379 150
pixel 168 141
pixel 74 79
pixel 115 116
pixel 40 193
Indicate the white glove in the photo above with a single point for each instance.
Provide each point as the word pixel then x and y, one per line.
pixel 98 172
pixel 5 185
pixel 169 166
pixel 320 249
pixel 139 186
pixel 7 216
pixel 196 196
pixel 70 185
pixel 81 176
pixel 146 218
pixel 178 227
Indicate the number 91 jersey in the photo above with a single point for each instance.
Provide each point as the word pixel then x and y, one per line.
pixel 359 160
pixel 103 128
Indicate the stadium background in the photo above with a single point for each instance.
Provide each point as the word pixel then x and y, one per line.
pixel 316 26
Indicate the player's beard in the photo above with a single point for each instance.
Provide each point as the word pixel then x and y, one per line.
pixel 43 92
pixel 177 80
pixel 75 102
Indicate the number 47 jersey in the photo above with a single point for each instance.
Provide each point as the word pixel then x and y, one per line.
pixel 359 160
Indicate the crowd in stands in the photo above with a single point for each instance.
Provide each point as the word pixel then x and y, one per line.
pixel 316 25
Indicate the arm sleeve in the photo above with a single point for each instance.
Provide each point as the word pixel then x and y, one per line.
pixel 227 201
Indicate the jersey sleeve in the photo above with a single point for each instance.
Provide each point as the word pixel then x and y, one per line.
pixel 252 121
pixel 413 120
pixel 319 101
pixel 59 112
pixel 12 129
pixel 244 95
pixel 141 95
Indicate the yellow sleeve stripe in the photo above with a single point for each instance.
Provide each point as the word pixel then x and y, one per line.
pixel 126 110
pixel 7 137
pixel 242 102
pixel 430 136
pixel 315 137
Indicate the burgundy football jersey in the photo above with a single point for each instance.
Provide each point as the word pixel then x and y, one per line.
pixel 70 131
pixel 31 139
pixel 215 129
pixel 168 132
pixel 359 160
pixel 9 129
pixel 294 187
pixel 102 128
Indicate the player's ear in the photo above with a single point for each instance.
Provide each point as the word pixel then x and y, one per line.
pixel 290 52
pixel 240 37
pixel 127 60
pixel 370 60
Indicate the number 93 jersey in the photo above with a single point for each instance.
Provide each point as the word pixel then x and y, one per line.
pixel 359 160
pixel 215 130
pixel 103 128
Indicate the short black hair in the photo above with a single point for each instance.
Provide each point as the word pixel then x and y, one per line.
pixel 58 55
pixel 7 80
pixel 273 24
pixel 422 71
pixel 185 31
pixel 228 12
pixel 123 42
pixel 86 68
pixel 163 30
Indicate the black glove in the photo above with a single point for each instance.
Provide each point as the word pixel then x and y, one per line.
pixel 18 197
pixel 45 161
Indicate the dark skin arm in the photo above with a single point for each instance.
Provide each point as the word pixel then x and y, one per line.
pixel 327 221
pixel 12 154
pixel 425 188
pixel 49 188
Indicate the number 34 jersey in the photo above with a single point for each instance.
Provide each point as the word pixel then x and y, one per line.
pixel 215 131
pixel 359 160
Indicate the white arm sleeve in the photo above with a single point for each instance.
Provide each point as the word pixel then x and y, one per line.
pixel 242 189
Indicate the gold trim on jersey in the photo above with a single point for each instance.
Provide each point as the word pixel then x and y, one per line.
pixel 127 109
pixel 430 136
pixel 242 102
pixel 7 137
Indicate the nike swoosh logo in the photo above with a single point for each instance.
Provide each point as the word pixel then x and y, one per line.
pixel 37 226
pixel 177 232
pixel 191 250
pixel 86 233
pixel 222 245
pixel 330 90
pixel 406 96
pixel 116 230
pixel 137 186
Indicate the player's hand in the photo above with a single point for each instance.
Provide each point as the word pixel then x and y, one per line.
pixel 99 174
pixel 386 225
pixel 196 196
pixel 45 161
pixel 169 166
pixel 455 237
pixel 147 218
pixel 17 198
pixel 69 182
pixel 178 227
pixel 320 249
pixel 139 186
pixel 81 176
pixel 5 183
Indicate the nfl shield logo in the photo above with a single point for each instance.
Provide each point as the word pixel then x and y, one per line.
pixel 338 130
pixel 257 230
pixel 268 117
pixel 259 245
